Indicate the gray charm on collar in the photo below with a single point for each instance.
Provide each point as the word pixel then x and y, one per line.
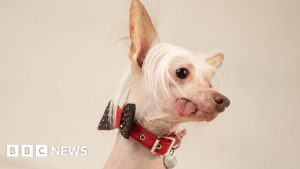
pixel 170 161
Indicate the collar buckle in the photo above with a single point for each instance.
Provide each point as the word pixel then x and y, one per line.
pixel 156 145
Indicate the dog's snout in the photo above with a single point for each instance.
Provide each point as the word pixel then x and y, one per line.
pixel 221 102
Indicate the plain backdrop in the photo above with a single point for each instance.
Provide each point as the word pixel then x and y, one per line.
pixel 60 62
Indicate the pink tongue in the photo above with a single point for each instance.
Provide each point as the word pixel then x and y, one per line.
pixel 185 107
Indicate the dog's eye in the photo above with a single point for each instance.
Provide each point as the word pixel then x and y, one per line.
pixel 182 73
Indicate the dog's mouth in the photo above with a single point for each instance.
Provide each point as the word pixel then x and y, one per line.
pixel 187 108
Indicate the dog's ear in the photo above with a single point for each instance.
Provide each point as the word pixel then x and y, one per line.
pixel 216 60
pixel 142 33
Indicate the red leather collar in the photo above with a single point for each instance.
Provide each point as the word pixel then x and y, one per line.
pixel 161 145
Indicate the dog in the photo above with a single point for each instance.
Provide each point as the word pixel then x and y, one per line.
pixel 166 85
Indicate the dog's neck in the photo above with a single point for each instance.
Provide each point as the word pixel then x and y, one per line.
pixel 128 154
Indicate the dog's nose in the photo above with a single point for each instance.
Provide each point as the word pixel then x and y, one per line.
pixel 221 102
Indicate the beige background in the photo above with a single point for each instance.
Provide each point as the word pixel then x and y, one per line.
pixel 59 66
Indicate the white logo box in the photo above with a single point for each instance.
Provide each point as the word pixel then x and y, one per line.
pixel 26 150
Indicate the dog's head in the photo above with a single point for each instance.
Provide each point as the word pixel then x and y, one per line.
pixel 168 84
pixel 178 83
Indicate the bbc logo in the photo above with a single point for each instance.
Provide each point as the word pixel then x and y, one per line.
pixel 26 150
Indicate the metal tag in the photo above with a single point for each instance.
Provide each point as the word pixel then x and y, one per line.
pixel 170 161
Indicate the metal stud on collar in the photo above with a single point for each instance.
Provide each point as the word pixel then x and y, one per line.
pixel 142 137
